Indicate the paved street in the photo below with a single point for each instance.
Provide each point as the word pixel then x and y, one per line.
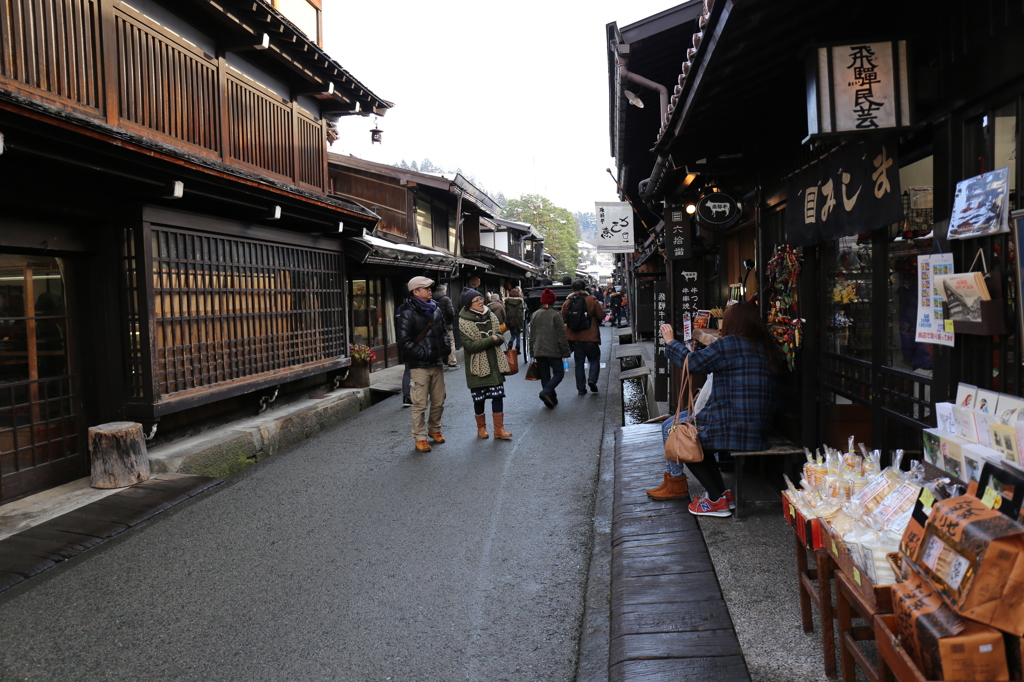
pixel 349 557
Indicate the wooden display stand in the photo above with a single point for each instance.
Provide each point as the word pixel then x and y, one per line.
pixel 814 584
pixel 856 597
pixel 850 604
pixel 893 661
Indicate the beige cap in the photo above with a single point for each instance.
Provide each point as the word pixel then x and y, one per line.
pixel 419 282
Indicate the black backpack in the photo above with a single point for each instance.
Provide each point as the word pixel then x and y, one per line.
pixel 576 315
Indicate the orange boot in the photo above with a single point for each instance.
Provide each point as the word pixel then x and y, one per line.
pixel 481 425
pixel 664 482
pixel 675 487
pixel 499 426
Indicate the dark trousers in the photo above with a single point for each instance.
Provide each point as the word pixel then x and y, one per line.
pixel 588 351
pixel 551 374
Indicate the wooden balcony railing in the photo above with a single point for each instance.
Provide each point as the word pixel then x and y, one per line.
pixel 163 87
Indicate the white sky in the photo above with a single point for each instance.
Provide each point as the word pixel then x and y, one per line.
pixel 515 94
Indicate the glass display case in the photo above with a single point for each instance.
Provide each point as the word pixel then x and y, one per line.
pixel 847 307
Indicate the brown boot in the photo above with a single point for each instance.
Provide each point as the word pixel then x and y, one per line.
pixel 664 482
pixel 481 425
pixel 675 487
pixel 499 426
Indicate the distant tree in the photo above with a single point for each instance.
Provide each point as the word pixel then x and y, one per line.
pixel 413 166
pixel 402 164
pixel 557 225
pixel 588 225
pixel 499 198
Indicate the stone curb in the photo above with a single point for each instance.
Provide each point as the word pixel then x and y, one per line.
pixel 228 450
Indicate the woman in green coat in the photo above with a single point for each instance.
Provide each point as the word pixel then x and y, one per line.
pixel 481 336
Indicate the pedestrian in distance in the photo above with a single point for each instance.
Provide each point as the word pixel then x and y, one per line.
pixel 514 318
pixel 615 303
pixel 549 346
pixel 424 344
pixel 737 414
pixel 486 364
pixel 583 314
pixel 448 313
pixel 498 309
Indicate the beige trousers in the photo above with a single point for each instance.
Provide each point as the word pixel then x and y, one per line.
pixel 452 359
pixel 427 383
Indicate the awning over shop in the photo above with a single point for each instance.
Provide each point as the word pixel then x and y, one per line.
pixel 473 263
pixel 372 249
pixel 497 258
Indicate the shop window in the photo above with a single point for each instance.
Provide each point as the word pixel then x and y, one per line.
pixel 847 266
pixel 367 312
pixel 440 225
pixel 38 421
pixel 1005 146
pixel 226 309
pixel 424 220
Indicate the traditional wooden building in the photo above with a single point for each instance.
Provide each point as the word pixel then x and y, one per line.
pixel 860 189
pixel 168 245
pixel 424 219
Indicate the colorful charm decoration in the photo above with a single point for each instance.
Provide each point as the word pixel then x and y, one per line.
pixel 784 321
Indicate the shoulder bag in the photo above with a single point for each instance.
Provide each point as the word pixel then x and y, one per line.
pixel 512 355
pixel 533 371
pixel 683 444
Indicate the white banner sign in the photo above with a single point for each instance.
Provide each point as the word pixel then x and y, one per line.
pixel 931 327
pixel 614 227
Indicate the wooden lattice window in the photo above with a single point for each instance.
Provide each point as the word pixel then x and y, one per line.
pixel 227 309
pixel 52 45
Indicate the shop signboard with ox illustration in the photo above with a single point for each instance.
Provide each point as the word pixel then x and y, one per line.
pixel 717 209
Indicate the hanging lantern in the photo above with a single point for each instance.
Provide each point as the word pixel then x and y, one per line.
pixel 375 134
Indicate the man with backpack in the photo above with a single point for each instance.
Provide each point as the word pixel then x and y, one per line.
pixel 583 314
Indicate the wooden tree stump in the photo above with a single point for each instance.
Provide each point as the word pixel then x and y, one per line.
pixel 118 453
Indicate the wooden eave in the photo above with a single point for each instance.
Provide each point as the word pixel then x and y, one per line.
pixel 291 48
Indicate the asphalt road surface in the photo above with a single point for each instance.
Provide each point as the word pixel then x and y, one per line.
pixel 349 557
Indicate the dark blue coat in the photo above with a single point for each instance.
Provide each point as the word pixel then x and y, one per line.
pixel 737 416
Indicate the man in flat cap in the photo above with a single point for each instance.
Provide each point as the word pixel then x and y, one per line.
pixel 423 341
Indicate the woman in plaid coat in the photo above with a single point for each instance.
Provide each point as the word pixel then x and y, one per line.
pixel 737 415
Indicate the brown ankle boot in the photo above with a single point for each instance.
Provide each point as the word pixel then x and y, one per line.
pixel 664 482
pixel 481 425
pixel 499 426
pixel 675 487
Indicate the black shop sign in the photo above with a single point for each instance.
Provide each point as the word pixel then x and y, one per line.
pixel 717 209
pixel 852 191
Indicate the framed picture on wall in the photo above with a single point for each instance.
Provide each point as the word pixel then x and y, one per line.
pixel 1017 224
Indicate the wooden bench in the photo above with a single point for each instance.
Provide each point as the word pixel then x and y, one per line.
pixel 776 446
pixel 669 620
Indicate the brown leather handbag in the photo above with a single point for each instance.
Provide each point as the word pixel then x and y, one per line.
pixel 683 444
pixel 512 355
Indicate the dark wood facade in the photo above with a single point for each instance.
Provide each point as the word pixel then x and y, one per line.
pixel 165 170
pixel 737 121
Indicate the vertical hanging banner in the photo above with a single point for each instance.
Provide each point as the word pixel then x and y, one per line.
pixel 931 326
pixel 614 227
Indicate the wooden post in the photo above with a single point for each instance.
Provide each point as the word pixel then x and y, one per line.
pixel 118 452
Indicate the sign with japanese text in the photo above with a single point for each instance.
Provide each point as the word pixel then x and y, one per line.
pixel 678 233
pixel 858 87
pixel 661 316
pixel 931 327
pixel 688 297
pixel 614 227
pixel 717 209
pixel 853 191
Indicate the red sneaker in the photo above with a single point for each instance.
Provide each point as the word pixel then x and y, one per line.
pixel 705 507
pixel 731 499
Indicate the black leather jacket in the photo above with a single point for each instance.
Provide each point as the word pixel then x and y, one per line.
pixel 432 348
pixel 447 309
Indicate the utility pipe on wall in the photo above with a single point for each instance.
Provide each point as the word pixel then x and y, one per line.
pixel 647 83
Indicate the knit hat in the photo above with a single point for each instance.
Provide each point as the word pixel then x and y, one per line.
pixel 547 297
pixel 468 295
pixel 420 282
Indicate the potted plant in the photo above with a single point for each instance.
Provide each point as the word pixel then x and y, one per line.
pixel 359 372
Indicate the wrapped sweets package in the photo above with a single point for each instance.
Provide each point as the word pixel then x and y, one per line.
pixel 944 646
pixel 975 556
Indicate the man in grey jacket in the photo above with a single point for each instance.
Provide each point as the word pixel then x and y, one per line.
pixel 444 303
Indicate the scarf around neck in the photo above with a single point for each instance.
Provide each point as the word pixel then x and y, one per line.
pixel 426 307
